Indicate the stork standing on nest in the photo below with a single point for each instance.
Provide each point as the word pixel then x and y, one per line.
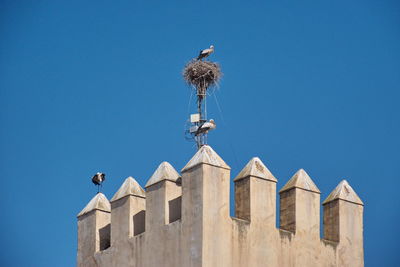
pixel 98 180
pixel 205 53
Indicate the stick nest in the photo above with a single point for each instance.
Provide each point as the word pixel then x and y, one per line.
pixel 202 74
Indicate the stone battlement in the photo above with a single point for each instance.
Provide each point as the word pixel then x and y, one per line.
pixel 184 220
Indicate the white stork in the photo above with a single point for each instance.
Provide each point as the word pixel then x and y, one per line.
pixel 98 180
pixel 205 127
pixel 206 52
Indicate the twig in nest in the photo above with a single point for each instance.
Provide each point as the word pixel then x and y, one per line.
pixel 202 75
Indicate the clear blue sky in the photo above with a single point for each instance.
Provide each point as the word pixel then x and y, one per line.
pixel 89 86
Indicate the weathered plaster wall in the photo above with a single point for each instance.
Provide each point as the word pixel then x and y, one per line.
pixel 205 234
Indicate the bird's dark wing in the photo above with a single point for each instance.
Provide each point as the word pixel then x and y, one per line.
pixel 202 129
pixel 201 55
pixel 103 177
pixel 95 180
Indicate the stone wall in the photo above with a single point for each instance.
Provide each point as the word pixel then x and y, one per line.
pixel 184 220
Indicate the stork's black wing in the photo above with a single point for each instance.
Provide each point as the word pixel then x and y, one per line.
pixel 201 55
pixel 95 180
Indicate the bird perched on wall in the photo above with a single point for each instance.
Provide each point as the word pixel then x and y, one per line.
pixel 98 180
pixel 206 52
pixel 205 127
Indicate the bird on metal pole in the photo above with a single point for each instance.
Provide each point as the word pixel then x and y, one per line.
pixel 205 127
pixel 98 180
pixel 205 53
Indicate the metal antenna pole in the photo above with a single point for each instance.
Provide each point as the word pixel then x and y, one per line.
pixel 201 99
pixel 201 75
pixel 198 138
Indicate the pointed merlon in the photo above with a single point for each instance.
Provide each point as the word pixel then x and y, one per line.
pixel 164 172
pixel 99 202
pixel 255 168
pixel 130 187
pixel 301 180
pixel 205 155
pixel 345 192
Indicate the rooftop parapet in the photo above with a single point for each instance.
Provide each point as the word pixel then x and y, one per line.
pixel 255 168
pixel 343 223
pixel 205 209
pixel 162 197
pixel 127 211
pixel 205 155
pixel 344 192
pixel 93 229
pixel 165 171
pixel 255 194
pixel 300 205
pixel 98 202
pixel 187 220
pixel 130 187
pixel 300 180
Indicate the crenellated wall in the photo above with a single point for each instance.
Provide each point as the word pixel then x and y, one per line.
pixel 184 220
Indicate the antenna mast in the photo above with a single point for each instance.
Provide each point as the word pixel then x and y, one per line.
pixel 201 76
